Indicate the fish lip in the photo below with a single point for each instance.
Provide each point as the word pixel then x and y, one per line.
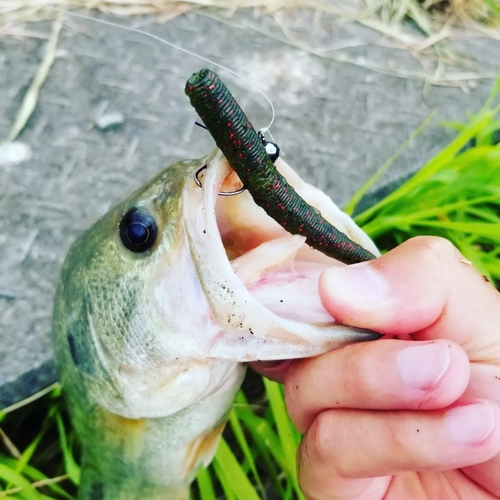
pixel 229 300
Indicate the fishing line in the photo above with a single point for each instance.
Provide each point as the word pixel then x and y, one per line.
pixel 182 49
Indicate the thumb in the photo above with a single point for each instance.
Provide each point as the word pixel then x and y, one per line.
pixel 424 288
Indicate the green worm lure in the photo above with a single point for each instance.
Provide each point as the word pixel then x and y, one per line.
pixel 245 151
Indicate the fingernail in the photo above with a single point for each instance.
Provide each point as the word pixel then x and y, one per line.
pixel 471 424
pixel 357 282
pixel 422 366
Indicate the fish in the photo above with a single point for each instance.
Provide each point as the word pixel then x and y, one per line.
pixel 159 306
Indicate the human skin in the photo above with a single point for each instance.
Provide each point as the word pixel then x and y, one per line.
pixel 417 413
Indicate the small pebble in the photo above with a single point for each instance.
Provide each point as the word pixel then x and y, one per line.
pixel 13 153
pixel 110 120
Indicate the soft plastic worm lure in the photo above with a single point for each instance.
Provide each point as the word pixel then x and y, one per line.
pixel 245 151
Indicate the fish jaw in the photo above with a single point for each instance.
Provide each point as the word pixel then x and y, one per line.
pixel 268 261
pixel 152 334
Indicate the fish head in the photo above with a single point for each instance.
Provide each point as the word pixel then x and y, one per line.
pixel 161 301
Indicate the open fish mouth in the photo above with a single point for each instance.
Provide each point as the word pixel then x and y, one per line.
pixel 261 283
pixel 227 284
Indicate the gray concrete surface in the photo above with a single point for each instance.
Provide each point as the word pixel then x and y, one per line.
pixel 336 122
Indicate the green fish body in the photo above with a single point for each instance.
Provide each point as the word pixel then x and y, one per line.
pixel 151 344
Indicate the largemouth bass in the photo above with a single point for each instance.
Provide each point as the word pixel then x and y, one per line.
pixel 151 338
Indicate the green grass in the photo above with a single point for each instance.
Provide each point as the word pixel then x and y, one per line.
pixel 456 195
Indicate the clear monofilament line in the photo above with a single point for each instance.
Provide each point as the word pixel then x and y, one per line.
pixel 177 47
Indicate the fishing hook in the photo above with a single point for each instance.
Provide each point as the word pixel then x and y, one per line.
pixel 271 148
pixel 221 193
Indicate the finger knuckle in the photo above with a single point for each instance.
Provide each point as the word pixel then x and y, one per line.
pixel 333 443
pixel 322 434
pixel 327 439
pixel 307 473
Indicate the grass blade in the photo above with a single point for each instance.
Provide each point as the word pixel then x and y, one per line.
pixel 71 467
pixel 13 477
pixel 34 475
pixel 287 434
pixel 233 478
pixel 205 485
pixel 242 442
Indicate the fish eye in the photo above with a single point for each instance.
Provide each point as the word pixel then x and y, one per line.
pixel 138 230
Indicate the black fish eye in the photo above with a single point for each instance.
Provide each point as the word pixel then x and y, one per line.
pixel 138 230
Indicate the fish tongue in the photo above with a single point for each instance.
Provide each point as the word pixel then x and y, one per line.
pixel 276 255
pixel 284 285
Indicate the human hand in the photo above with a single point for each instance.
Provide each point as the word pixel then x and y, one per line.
pixel 415 415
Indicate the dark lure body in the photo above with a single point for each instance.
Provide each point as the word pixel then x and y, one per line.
pixel 245 151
